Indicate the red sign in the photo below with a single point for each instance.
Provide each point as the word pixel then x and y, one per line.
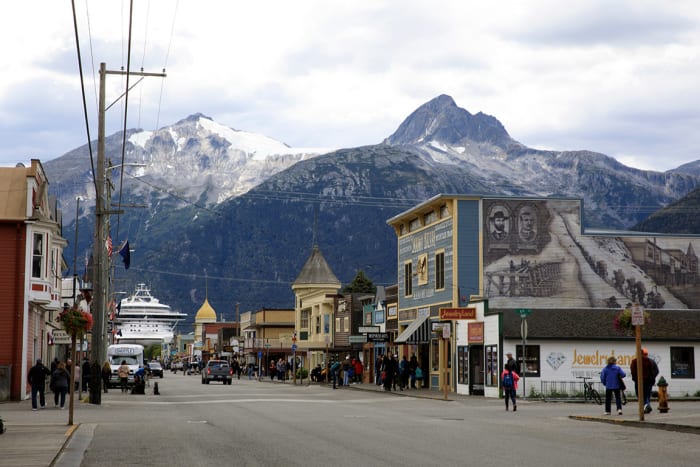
pixel 475 333
pixel 457 313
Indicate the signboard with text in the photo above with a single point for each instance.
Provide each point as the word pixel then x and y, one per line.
pixel 457 313
pixel 378 337
pixel 475 333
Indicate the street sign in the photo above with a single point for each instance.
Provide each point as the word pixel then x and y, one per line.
pixel 523 329
pixel 267 346
pixel 523 312
pixel 366 329
pixel 637 315
pixel 259 353
pixel 294 347
pixel 357 339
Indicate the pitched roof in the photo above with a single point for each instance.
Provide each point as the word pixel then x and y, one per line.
pixel 316 271
pixel 597 324
pixel 205 313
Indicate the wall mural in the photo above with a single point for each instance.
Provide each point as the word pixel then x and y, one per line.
pixel 536 256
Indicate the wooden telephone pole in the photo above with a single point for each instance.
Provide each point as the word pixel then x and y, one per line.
pixel 100 280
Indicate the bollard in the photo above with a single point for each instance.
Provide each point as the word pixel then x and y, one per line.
pixel 663 395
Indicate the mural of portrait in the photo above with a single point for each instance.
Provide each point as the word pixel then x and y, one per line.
pixel 527 223
pixel 422 269
pixel 499 225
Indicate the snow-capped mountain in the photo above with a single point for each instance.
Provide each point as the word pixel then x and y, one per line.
pixel 246 208
pixel 195 160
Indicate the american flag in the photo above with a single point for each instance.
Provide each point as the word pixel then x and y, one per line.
pixel 108 244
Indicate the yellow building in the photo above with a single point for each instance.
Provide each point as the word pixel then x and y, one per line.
pixel 315 289
pixel 205 315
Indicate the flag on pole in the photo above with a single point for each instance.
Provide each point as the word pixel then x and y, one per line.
pixel 108 244
pixel 125 254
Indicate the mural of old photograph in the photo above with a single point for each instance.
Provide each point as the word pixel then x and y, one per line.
pixel 547 262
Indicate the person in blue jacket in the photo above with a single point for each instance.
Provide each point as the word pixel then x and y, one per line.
pixel 611 377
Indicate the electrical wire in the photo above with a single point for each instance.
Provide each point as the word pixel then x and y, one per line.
pixel 82 90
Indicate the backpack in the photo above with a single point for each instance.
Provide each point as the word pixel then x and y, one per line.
pixel 508 380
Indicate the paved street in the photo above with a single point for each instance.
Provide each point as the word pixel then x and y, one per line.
pixel 262 423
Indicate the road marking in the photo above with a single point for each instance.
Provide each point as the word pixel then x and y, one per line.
pixel 262 399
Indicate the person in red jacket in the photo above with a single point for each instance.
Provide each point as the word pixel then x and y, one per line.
pixel 358 371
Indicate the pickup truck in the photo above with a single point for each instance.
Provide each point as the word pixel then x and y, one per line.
pixel 217 370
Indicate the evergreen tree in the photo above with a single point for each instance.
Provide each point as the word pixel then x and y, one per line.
pixel 360 284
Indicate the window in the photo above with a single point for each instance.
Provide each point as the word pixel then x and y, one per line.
pixel 338 322
pixel 462 364
pixel 318 325
pixel 682 362
pixel 38 256
pixel 304 319
pixel 326 323
pixel 492 376
pixel 408 279
pixel 531 366
pixel 444 212
pixel 346 324
pixel 379 316
pixel 440 270
pixel 429 218
pixel 413 225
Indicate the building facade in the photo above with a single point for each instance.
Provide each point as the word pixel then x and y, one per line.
pixel 500 256
pixel 31 267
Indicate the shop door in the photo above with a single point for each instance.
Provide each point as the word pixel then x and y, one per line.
pixel 476 370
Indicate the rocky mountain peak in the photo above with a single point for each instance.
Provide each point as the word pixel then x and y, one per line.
pixel 440 120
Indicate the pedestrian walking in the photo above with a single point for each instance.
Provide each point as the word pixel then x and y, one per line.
pixel 649 373
pixel 37 378
pixel 85 374
pixel 509 381
pixel 123 371
pixel 412 368
pixel 387 372
pixel 347 367
pixel 60 380
pixel 106 374
pixel 611 377
pixel 335 369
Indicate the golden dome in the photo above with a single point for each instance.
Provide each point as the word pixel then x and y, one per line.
pixel 206 312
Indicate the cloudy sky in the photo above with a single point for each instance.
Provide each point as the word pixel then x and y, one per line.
pixel 616 77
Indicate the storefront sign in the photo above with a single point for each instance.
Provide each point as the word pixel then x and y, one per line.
pixel 357 339
pixel 378 337
pixel 60 337
pixel 475 333
pixel 457 313
pixel 366 329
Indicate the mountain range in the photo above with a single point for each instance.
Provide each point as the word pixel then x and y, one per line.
pixel 232 216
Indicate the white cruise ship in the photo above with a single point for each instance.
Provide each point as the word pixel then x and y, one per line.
pixel 144 320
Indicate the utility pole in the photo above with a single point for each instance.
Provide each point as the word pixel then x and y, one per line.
pixel 100 281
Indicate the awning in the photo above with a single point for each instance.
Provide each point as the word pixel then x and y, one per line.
pixel 418 332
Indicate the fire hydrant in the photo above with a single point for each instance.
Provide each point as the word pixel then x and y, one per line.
pixel 663 395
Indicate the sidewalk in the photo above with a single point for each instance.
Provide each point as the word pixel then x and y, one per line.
pixel 43 438
pixel 683 416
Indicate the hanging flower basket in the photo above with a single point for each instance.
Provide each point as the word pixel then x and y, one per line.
pixel 623 321
pixel 75 321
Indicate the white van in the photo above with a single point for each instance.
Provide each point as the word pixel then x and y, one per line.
pixel 132 354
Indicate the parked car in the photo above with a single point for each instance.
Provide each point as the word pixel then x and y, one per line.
pixel 156 369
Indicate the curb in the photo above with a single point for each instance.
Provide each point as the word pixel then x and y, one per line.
pixel 640 424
